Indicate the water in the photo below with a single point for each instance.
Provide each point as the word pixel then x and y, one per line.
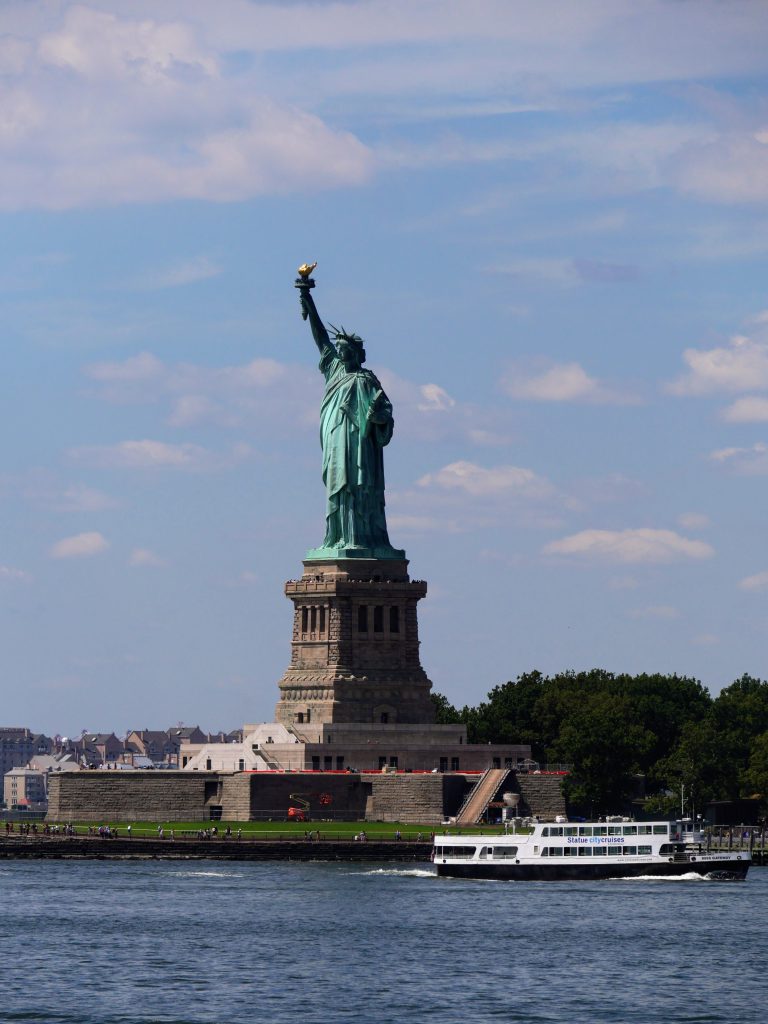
pixel 187 943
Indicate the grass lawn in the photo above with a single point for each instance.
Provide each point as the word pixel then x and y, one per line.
pixel 292 830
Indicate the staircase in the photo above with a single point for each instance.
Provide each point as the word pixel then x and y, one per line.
pixel 484 790
pixel 271 762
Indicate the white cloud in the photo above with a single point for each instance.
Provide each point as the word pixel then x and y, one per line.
pixel 156 115
pixel 629 546
pixel 566 273
pixel 757 582
pixel 623 583
pixel 731 168
pixel 190 271
pixel 750 409
pixel 79 498
pixel 149 454
pixel 12 575
pixel 742 365
pixel 99 45
pixel 82 545
pixel 655 611
pixel 142 367
pixel 561 382
pixel 489 438
pixel 191 409
pixel 752 461
pixel 140 557
pixel 219 102
pixel 434 399
pixel 422 524
pixel 263 389
pixel 553 271
pixel 705 640
pixel 481 482
pixel 694 521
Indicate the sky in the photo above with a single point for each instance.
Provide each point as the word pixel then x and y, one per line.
pixel 549 222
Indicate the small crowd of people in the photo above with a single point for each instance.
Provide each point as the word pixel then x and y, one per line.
pixel 213 833
pixel 103 831
pixel 31 828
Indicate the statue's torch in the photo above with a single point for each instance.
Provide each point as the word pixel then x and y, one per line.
pixel 304 282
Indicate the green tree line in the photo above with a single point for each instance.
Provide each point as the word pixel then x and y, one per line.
pixel 612 728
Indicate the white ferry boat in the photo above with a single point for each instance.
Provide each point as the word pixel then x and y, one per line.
pixel 587 850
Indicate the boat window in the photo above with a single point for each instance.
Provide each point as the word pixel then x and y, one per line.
pixel 545 851
pixel 545 832
pixel 484 850
pixel 630 851
pixel 452 852
pixel 630 830
pixel 614 851
pixel 600 851
pixel 585 830
pixel 555 851
pixel 570 830
pixel 614 830
pixel 667 848
pixel 569 851
pixel 504 852
pixel 660 830
pixel 644 850
pixel 599 830
pixel 556 830
pixel 644 830
pixel 585 851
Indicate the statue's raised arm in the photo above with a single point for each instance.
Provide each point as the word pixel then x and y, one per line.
pixel 308 308
pixel 356 424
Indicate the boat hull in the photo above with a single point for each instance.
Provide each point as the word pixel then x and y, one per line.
pixel 723 870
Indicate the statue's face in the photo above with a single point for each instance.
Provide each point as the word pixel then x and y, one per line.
pixel 350 355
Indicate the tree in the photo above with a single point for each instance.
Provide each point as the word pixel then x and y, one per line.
pixel 755 778
pixel 604 744
pixel 445 712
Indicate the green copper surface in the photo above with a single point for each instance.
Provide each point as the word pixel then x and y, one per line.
pixel 356 424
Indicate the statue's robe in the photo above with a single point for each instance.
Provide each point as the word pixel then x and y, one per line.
pixel 353 459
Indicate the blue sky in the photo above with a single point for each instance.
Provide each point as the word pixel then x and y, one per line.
pixel 550 224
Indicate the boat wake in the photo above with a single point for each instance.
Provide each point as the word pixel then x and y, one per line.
pixel 206 874
pixel 689 876
pixel 401 872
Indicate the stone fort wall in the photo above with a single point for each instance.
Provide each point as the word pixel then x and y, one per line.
pixel 113 796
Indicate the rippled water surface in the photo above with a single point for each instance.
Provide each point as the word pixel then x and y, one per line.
pixel 123 943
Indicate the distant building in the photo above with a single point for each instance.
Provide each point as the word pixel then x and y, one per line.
pixel 161 746
pixel 25 787
pixel 180 734
pixel 154 744
pixel 18 745
pixel 49 764
pixel 96 748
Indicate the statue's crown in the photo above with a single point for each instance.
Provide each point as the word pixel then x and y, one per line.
pixel 340 334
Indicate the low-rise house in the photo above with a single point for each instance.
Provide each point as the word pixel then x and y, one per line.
pixel 50 763
pixel 18 744
pixel 186 734
pixel 96 748
pixel 154 744
pixel 25 788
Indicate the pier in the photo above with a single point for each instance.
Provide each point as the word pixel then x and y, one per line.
pixel 740 837
pixel 79 847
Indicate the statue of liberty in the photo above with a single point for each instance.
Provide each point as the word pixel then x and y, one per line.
pixel 355 425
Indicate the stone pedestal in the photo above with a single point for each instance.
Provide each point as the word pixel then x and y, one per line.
pixel 355 647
